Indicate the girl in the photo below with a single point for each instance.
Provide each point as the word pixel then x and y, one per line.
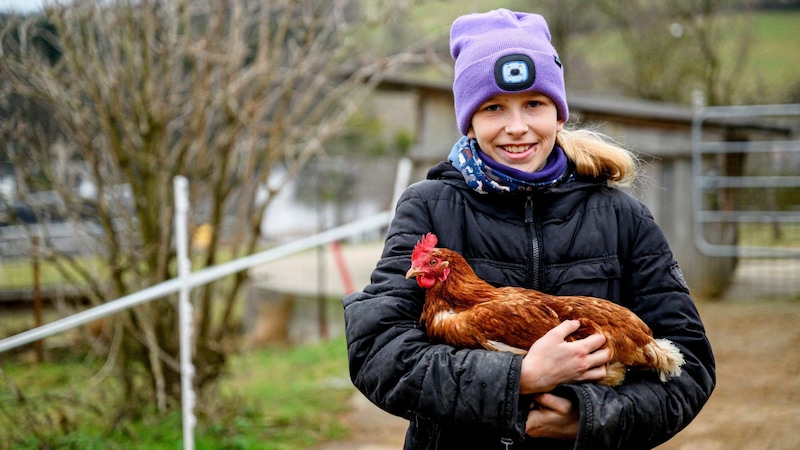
pixel 528 204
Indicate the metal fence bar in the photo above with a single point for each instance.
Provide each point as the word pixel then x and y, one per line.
pixel 749 216
pixel 714 182
pixel 747 147
pixel 704 144
pixel 185 315
pixel 197 278
pixel 713 112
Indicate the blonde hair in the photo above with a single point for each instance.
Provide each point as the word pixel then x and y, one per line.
pixel 596 155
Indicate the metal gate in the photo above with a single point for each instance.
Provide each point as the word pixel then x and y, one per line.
pixel 746 186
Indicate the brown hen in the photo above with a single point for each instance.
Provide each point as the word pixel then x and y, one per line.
pixel 464 311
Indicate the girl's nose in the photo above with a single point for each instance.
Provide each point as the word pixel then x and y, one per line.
pixel 516 124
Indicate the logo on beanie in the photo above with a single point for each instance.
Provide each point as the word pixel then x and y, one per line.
pixel 514 72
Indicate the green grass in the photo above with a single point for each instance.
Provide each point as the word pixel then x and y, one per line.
pixel 302 391
pixel 437 16
pixel 786 235
pixel 279 398
pixel 770 73
pixel 18 273
pixel 775 56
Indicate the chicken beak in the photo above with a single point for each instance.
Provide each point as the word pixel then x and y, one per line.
pixel 412 272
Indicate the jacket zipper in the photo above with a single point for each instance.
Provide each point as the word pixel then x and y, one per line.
pixel 434 444
pixel 533 232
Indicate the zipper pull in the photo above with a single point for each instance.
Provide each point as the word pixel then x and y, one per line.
pixel 507 442
pixel 529 209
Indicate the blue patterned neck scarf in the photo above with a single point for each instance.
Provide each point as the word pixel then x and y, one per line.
pixel 487 176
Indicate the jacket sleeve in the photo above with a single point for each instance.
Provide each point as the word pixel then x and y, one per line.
pixel 392 361
pixel 644 412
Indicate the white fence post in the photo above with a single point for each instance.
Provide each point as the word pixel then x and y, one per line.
pixel 185 314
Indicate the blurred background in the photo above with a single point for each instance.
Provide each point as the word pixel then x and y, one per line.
pixel 290 119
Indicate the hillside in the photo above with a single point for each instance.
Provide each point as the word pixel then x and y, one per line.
pixel 599 62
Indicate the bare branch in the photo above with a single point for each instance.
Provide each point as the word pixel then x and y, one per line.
pixel 222 92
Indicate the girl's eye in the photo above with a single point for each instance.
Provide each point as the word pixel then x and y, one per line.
pixel 492 108
pixel 533 103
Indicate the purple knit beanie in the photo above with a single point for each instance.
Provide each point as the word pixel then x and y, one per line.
pixel 499 52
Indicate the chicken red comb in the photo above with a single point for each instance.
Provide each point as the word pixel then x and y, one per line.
pixel 423 247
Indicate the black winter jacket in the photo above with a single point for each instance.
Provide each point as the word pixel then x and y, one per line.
pixel 578 238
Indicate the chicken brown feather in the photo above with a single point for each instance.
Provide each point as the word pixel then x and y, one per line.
pixel 464 311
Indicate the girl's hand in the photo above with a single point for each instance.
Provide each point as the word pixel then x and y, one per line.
pixel 552 417
pixel 552 360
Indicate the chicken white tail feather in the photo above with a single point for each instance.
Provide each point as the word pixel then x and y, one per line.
pixel 667 357
pixel 501 347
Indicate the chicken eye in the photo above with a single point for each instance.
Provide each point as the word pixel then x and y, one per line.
pixel 433 262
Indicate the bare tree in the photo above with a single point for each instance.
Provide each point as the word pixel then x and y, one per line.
pixel 677 46
pixel 567 19
pixel 136 92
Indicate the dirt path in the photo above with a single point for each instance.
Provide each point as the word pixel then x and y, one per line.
pixel 756 404
pixel 757 401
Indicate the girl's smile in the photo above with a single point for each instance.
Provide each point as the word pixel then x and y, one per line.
pixel 517 149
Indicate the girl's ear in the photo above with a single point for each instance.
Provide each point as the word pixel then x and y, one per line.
pixel 471 132
pixel 559 126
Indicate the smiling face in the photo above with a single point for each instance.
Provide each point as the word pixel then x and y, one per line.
pixel 517 130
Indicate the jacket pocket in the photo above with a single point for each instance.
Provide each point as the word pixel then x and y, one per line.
pixel 596 277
